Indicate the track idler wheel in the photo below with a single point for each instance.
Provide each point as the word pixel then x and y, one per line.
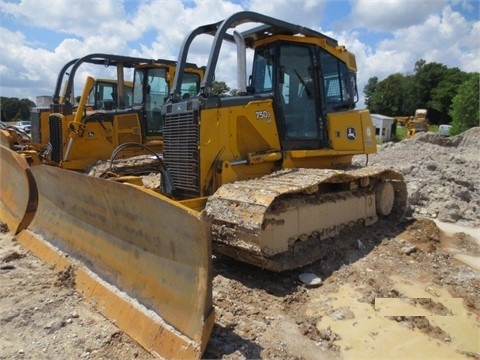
pixel 384 198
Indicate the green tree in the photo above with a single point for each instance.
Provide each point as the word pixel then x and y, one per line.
pixel 443 94
pixel 219 88
pixel 432 86
pixel 427 77
pixel 465 105
pixel 391 96
pixel 14 109
pixel 369 90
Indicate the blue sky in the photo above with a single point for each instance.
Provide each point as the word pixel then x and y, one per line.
pixel 37 37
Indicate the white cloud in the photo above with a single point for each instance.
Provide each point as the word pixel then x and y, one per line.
pixel 391 14
pixel 445 37
pixel 429 30
pixel 78 18
pixel 442 38
pixel 21 69
pixel 307 13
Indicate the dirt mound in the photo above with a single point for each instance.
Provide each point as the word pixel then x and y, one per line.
pixel 470 139
pixel 442 174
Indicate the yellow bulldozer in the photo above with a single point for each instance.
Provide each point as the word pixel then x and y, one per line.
pixel 109 112
pixel 20 140
pixel 418 123
pixel 75 136
pixel 264 177
pixel 101 93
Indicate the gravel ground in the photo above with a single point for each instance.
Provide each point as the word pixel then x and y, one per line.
pixel 409 290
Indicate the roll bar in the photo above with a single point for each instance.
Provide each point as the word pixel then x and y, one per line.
pixel 271 26
pixel 98 59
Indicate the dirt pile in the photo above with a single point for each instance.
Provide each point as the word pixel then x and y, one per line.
pixel 442 174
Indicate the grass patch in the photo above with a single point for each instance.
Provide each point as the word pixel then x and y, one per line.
pixel 401 133
pixel 433 128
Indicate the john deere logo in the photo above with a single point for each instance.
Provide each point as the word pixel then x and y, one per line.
pixel 351 133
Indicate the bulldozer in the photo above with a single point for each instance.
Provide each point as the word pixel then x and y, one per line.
pixel 64 89
pixel 271 166
pixel 130 282
pixel 108 113
pixel 75 136
pixel 418 123
pixel 39 115
pixel 263 176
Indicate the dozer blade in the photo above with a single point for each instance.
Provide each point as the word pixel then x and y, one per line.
pixel 143 260
pixel 18 199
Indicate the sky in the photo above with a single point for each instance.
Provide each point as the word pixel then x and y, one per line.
pixel 37 37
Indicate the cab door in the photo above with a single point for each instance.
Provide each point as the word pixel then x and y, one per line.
pixel 299 98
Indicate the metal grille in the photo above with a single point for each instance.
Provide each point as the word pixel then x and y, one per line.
pixel 56 138
pixel 180 141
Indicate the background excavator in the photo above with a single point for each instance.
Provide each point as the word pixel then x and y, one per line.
pixel 415 123
pixel 263 176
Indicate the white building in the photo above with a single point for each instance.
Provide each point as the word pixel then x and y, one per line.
pixel 383 127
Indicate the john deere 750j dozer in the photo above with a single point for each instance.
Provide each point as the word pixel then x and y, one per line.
pixel 264 176
pixel 271 166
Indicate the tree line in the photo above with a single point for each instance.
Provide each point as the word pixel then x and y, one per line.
pixel 451 96
pixel 15 109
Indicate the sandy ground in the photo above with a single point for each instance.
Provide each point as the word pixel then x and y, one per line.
pixel 408 290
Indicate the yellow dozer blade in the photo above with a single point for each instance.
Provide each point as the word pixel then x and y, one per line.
pixel 18 198
pixel 143 260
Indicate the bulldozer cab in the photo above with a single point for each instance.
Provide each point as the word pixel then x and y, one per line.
pixel 104 94
pixel 152 84
pixel 150 90
pixel 305 95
